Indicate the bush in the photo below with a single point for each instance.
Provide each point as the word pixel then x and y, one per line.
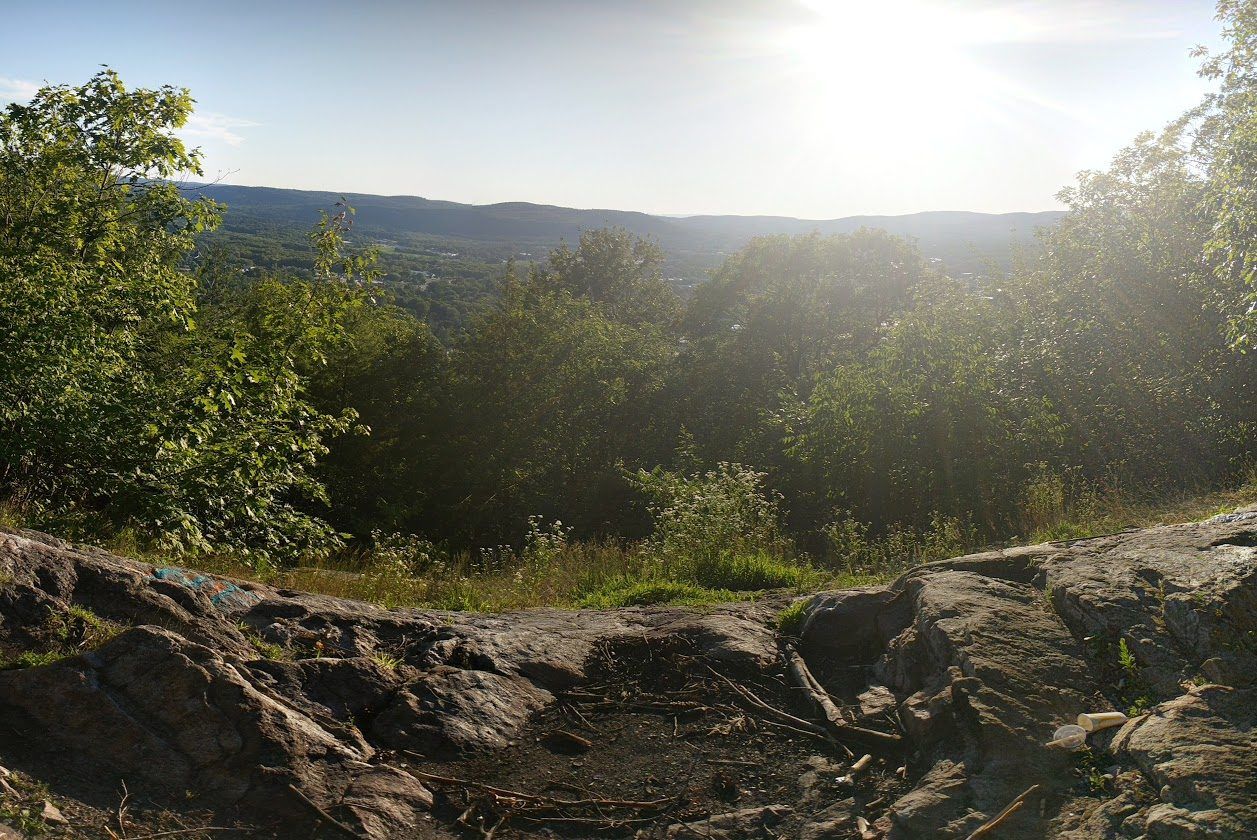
pixel 702 519
pixel 900 547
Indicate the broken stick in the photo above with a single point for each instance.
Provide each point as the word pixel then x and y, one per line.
pixel 837 724
pixel 1008 811
pixel 772 711
pixel 318 809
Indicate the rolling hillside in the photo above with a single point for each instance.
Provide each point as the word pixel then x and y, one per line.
pixel 963 241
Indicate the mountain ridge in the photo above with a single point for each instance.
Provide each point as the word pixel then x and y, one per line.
pixel 963 240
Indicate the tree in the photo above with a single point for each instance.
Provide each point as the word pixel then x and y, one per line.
pixel 933 420
pixel 393 474
pixel 552 394
pixel 776 315
pixel 620 272
pixel 1225 144
pixel 133 396
pixel 90 240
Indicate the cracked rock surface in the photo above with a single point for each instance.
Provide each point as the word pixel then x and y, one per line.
pixel 407 723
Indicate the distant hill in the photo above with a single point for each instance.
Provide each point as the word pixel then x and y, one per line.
pixel 964 242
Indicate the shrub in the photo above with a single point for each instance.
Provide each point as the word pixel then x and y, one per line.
pixel 852 545
pixel 702 518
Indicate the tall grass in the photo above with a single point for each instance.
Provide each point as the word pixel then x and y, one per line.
pixel 704 550
pixel 1061 506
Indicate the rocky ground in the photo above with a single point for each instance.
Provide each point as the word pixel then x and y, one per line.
pixel 142 703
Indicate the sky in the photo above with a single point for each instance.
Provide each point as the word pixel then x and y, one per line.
pixel 808 108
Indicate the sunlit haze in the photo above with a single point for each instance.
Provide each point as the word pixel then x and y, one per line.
pixel 814 108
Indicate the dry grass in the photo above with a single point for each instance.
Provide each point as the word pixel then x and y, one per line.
pixel 573 574
pixel 1090 513
pixel 580 574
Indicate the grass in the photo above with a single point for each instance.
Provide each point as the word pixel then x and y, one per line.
pixel 386 661
pixel 68 633
pixel 268 650
pixel 790 620
pixel 574 575
pixel 1055 511
pixel 644 593
pixel 553 571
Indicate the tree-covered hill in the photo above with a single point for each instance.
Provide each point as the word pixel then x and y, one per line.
pixel 963 242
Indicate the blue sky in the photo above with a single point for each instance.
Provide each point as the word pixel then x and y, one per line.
pixel 812 108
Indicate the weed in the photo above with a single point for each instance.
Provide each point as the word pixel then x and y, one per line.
pixel 386 661
pixel 34 659
pixel 1126 659
pixel 853 546
pixel 790 620
pixel 265 649
pixel 645 593
pixel 24 820
pixel 1088 765
pixel 69 632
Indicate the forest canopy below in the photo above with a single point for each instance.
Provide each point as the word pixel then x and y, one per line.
pixel 817 392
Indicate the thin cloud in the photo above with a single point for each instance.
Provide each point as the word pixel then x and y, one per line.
pixel 220 127
pixel 17 90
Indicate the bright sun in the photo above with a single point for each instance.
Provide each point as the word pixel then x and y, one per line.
pixel 893 65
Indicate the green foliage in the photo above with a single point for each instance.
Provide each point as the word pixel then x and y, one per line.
pixel 644 593
pixel 1126 659
pixel 555 393
pixel 35 659
pixel 621 273
pixel 1226 142
pixel 386 661
pixel 66 633
pixel 853 547
pixel 1089 765
pixel 719 528
pixel 137 395
pixel 790 620
pixel 164 395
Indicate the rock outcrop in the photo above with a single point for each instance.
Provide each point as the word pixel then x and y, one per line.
pixel 285 713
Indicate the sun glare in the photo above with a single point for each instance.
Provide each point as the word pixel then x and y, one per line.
pixel 883 67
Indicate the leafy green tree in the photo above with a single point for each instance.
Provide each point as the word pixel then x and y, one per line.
pixel 774 317
pixel 620 272
pixel 1226 144
pixel 552 393
pixel 932 420
pixel 394 472
pixel 1124 327
pixel 91 236
pixel 131 395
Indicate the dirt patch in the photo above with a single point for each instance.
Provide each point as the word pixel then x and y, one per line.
pixel 659 740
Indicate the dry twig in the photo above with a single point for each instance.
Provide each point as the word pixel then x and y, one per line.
pixel 1008 811
pixel 318 809
pixel 837 727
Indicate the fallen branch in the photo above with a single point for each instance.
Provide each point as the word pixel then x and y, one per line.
pixel 318 809
pixel 539 798
pixel 805 680
pixel 178 831
pixel 1008 811
pixel 837 727
pixel 772 711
